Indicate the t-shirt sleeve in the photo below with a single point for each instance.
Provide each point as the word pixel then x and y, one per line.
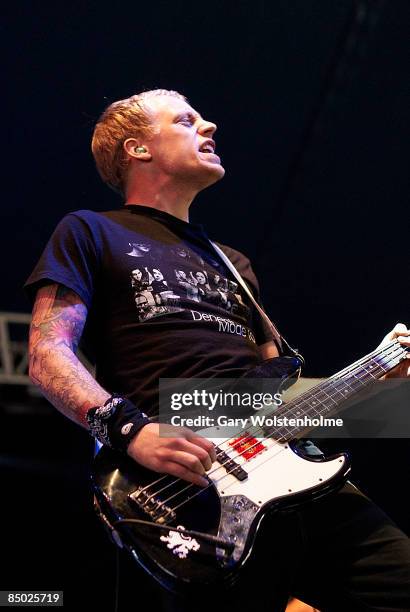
pixel 70 258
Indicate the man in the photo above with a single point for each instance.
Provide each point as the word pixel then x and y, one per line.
pixel 159 152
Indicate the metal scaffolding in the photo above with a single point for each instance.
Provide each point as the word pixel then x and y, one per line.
pixel 14 328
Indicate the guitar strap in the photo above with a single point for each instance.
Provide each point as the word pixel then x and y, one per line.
pixel 282 345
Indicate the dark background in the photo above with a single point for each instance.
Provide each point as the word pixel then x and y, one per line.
pixel 311 98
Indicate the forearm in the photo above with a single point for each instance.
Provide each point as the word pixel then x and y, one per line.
pixel 58 320
pixel 65 382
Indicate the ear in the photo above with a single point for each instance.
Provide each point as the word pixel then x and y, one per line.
pixel 131 146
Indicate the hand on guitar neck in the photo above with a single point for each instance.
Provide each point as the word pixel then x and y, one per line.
pixel 402 334
pixel 187 456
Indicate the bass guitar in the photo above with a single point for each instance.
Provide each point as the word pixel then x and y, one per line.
pixel 186 536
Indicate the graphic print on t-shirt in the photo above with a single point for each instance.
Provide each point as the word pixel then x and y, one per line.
pixel 151 293
pixel 176 278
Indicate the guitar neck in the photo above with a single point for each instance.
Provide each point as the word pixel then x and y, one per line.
pixel 324 399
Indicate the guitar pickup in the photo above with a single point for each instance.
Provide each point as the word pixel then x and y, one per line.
pixel 231 466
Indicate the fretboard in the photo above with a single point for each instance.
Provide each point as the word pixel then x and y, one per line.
pixel 325 398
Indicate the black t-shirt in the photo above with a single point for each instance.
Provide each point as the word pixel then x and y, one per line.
pixel 160 301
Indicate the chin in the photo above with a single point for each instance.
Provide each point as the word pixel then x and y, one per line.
pixel 216 170
pixel 213 177
pixel 205 176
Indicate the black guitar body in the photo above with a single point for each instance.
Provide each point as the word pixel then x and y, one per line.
pixel 114 480
pixel 187 537
pixel 116 477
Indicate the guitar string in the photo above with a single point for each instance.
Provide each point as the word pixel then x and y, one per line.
pixel 402 351
pixel 189 486
pixel 288 409
pixel 302 397
pixel 212 484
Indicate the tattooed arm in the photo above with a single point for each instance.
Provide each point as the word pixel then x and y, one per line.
pixel 58 321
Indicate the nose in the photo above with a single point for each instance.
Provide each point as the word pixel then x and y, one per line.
pixel 207 128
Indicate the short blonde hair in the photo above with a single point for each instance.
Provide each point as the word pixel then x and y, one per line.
pixel 129 118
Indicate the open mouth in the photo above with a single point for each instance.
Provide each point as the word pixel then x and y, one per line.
pixel 208 146
pixel 207 151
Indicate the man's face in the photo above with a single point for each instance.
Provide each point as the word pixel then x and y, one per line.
pixel 201 278
pixel 183 146
pixel 157 275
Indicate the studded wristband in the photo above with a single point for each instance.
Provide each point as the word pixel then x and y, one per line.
pixel 116 422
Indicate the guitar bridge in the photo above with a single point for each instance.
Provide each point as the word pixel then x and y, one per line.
pixel 152 505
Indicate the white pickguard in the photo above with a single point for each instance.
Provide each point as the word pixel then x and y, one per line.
pixel 275 472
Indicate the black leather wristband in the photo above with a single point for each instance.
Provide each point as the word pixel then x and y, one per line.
pixel 116 422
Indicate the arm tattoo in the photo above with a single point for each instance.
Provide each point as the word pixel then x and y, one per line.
pixel 58 321
pixel 58 315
